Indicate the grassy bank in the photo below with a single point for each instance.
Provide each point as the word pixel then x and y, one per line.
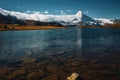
pixel 6 27
pixel 11 27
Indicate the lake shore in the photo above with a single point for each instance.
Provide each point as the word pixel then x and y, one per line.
pixel 12 28
pixel 9 27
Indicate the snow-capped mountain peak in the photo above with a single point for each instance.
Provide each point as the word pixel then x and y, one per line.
pixel 74 19
pixel 79 14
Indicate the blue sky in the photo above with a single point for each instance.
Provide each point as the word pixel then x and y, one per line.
pixel 93 8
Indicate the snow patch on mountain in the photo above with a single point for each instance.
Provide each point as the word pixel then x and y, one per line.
pixel 104 21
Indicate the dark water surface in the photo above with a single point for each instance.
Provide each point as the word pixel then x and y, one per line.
pixel 94 53
pixel 20 44
pixel 43 42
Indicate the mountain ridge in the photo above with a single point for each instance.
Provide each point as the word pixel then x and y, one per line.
pixel 81 19
pixel 62 19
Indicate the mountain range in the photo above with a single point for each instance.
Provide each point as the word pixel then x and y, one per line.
pixel 37 19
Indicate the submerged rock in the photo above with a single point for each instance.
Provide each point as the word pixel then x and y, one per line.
pixel 73 76
pixel 51 77
pixel 55 70
pixel 28 52
pixel 14 74
pixel 29 60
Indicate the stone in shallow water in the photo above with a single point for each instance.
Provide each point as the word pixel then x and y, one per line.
pixel 55 70
pixel 31 75
pixel 36 75
pixel 29 60
pixel 15 74
pixel 19 72
pixel 74 76
pixel 51 77
pixel 28 52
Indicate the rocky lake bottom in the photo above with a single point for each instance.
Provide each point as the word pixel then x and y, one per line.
pixel 59 67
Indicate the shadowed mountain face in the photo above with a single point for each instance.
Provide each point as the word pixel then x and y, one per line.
pixel 39 23
pixel 10 20
pixel 86 18
pixel 87 21
pixel 4 19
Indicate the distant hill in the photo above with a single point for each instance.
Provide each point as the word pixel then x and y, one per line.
pixel 10 20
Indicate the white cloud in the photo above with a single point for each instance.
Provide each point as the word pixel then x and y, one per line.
pixel 28 11
pixel 68 10
pixel 46 12
pixel 61 12
pixel 36 12
pixel 41 16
